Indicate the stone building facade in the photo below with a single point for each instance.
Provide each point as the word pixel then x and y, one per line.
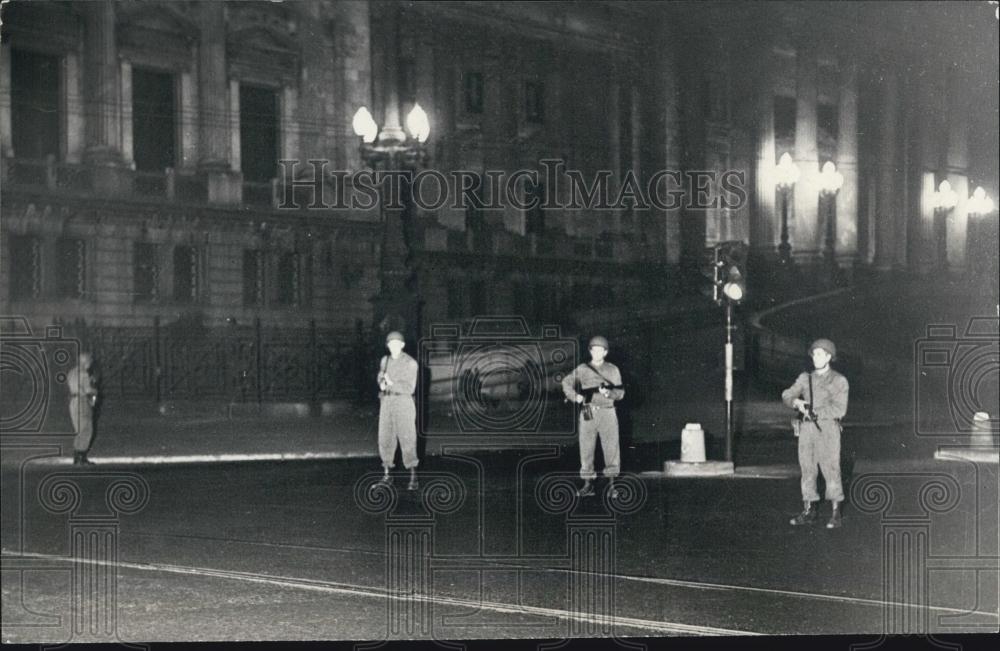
pixel 140 143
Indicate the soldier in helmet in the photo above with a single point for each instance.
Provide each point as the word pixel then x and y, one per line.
pixel 596 385
pixel 397 419
pixel 820 397
pixel 82 403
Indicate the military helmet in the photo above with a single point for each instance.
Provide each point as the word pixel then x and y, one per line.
pixel 598 341
pixel 826 345
pixel 395 335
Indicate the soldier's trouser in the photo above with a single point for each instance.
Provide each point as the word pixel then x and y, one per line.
pixel 397 421
pixel 604 425
pixel 822 450
pixel 82 415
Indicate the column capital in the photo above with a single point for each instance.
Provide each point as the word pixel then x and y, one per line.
pixel 74 493
pixel 556 493
pixel 874 493
pixel 440 493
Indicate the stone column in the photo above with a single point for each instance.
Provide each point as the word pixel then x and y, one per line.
pixel 766 221
pixel 615 140
pixel 103 87
pixel 804 234
pixel 423 69
pixel 218 147
pixel 847 164
pixel 352 47
pixel 213 90
pixel 670 144
pixel 288 119
pixel 233 126
pixel 74 120
pixel 929 155
pixel 886 170
pixel 635 116
pixel 189 122
pixel 392 123
pixel 128 148
pixel 958 163
pixel 6 131
pixel 901 225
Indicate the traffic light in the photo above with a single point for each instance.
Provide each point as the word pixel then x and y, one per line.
pixel 730 272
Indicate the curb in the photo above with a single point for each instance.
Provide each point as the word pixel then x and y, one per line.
pixel 776 471
pixel 698 469
pixel 976 455
pixel 163 459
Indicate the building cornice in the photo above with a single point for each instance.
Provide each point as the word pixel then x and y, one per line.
pixel 197 215
pixel 590 25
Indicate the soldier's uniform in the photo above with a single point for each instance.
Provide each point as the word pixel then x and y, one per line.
pixel 82 400
pixel 819 441
pixel 397 419
pixel 604 424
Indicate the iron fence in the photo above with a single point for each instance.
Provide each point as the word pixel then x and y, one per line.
pixel 240 364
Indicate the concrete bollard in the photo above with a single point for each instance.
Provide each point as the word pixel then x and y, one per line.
pixel 979 449
pixel 693 443
pixel 981 431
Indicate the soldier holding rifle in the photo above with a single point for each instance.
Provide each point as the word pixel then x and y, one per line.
pixel 595 386
pixel 820 397
pixel 397 420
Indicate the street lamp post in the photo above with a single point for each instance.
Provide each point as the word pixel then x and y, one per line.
pixel 944 200
pixel 830 182
pixel 397 303
pixel 786 175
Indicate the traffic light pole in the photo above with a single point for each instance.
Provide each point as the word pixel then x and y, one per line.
pixel 729 380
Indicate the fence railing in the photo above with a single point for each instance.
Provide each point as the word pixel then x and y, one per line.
pixel 237 364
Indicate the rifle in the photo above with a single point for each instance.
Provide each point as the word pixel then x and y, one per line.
pixel 381 376
pixel 588 394
pixel 810 415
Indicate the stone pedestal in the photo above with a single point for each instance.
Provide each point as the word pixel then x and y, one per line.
pixel 702 469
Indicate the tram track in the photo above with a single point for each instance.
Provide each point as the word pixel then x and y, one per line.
pixel 352 590
pixel 499 562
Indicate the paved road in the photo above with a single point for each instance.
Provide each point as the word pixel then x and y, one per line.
pixel 494 546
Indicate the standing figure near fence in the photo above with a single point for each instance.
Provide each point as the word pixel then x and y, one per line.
pixel 82 403
pixel 820 398
pixel 397 418
pixel 595 386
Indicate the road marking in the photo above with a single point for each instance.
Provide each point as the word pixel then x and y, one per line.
pixel 517 563
pixel 333 587
pixel 793 593
pixel 161 459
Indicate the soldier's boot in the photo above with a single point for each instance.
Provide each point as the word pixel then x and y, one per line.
pixel 386 479
pixel 587 489
pixel 85 460
pixel 77 458
pixel 414 484
pixel 612 491
pixel 808 515
pixel 835 517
